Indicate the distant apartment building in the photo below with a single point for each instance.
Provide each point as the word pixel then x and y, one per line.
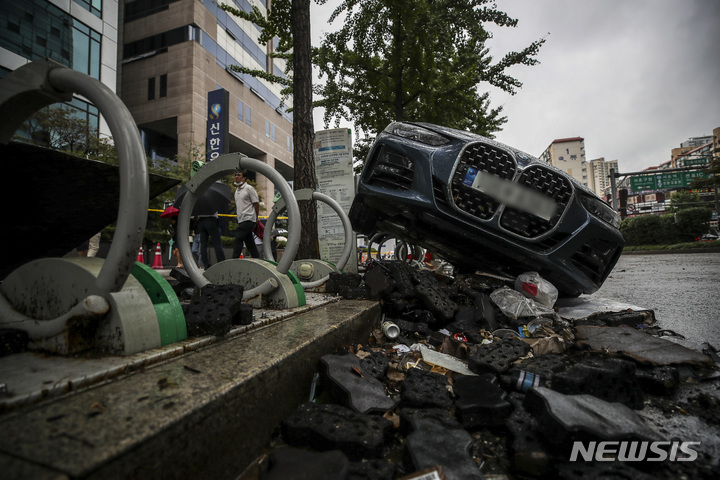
pixel 174 52
pixel 80 34
pixel 568 154
pixel 598 174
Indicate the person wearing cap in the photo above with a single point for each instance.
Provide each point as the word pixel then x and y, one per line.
pixel 248 207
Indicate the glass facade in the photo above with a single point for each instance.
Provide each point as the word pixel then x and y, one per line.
pixel 37 29
pixel 92 6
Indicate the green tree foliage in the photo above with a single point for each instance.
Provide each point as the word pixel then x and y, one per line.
pixel 416 60
pixel 692 222
pixel 682 199
pixel 643 230
pixel 684 226
pixel 276 25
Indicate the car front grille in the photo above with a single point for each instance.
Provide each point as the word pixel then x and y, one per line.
pixel 484 158
pixel 548 183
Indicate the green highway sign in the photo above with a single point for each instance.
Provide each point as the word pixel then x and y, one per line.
pixel 662 181
pixel 693 162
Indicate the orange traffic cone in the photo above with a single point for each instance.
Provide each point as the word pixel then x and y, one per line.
pixel 157 262
pixel 241 256
pixel 140 257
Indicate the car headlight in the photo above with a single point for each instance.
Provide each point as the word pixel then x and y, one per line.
pixel 601 210
pixel 418 134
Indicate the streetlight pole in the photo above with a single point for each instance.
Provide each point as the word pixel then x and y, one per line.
pixel 613 189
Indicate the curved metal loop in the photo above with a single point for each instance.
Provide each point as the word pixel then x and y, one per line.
pixel 134 180
pixel 216 169
pixel 308 194
pixel 44 82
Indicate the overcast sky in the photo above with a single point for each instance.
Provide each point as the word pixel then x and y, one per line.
pixel 634 78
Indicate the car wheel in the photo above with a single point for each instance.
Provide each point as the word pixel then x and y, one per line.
pixel 362 218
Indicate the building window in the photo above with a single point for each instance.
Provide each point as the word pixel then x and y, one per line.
pixel 86 50
pixel 93 6
pixel 144 8
pixel 241 110
pixel 160 42
pixel 163 86
pixel 36 29
pixel 272 132
pixel 267 128
pixel 248 113
pixel 151 88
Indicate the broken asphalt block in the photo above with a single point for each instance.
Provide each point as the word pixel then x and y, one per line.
pixel 376 364
pixel 481 402
pixel 435 298
pixel 529 456
pixel 431 444
pixel 436 339
pixel 351 387
pixel 244 315
pixel 615 319
pixel 663 381
pixel 287 462
pixel 402 274
pixel 639 346
pixel 180 274
pixel 379 280
pixel 412 327
pixel 421 316
pixel 409 418
pixel 395 305
pixel 544 365
pixel 329 427
pixel 374 469
pixel 466 316
pixel 423 389
pixel 610 379
pixel 564 419
pixel 487 312
pixel 212 312
pixel 496 357
pixel 337 280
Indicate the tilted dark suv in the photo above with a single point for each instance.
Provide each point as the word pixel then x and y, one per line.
pixel 482 205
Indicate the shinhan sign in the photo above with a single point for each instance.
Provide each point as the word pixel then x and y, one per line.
pixel 217 139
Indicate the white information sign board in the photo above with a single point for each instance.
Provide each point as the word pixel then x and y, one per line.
pixel 334 171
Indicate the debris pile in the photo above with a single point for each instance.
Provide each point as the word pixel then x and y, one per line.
pixel 481 377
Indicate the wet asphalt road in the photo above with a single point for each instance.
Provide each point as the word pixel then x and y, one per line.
pixel 682 289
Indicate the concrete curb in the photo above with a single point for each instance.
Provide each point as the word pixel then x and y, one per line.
pixel 207 414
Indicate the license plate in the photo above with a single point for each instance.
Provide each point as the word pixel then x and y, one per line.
pixel 511 194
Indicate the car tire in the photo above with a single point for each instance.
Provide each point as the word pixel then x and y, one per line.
pixel 362 218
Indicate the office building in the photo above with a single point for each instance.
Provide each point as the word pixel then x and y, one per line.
pixel 568 154
pixel 598 174
pixel 174 52
pixel 80 34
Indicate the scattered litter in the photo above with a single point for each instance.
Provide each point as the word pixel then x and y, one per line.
pixel 516 305
pixel 533 286
pixel 445 361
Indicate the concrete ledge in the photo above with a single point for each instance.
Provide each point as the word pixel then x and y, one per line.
pixel 206 414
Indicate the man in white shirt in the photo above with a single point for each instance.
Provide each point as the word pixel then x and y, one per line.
pixel 248 207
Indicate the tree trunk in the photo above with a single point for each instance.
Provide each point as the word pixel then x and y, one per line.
pixel 303 128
